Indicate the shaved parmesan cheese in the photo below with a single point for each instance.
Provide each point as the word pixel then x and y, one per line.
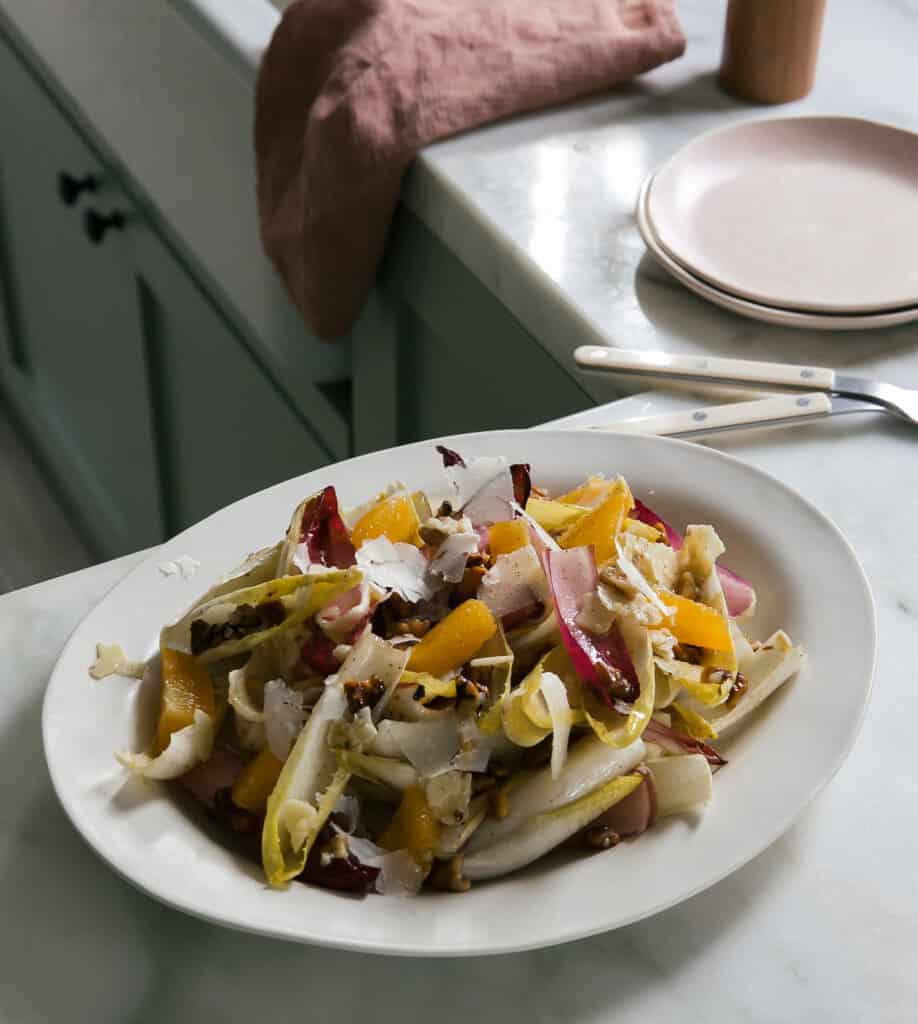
pixel 112 661
pixel 452 556
pixel 448 796
pixel 429 746
pixel 467 481
pixel 398 567
pixel 637 581
pixel 283 717
pixel 515 581
pixel 187 747
pixel 399 875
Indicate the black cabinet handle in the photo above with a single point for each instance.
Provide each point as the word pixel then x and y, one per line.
pixel 97 224
pixel 69 187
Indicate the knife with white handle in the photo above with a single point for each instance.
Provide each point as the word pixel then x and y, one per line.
pixel 901 402
pixel 705 368
pixel 782 410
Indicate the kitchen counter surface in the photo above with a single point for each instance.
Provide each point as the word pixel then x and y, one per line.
pixel 540 208
pixel 821 927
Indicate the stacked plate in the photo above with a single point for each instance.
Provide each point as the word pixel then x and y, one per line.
pixel 806 222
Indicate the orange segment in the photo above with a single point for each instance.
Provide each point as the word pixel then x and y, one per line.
pixel 395 518
pixel 506 537
pixel 454 640
pixel 413 828
pixel 187 686
pixel 590 493
pixel 696 624
pixel 601 526
pixel 256 780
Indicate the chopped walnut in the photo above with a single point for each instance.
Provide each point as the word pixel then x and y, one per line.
pixel 685 586
pixel 363 693
pixel 447 875
pixel 409 627
pixel 466 689
pixel 599 837
pixel 499 803
pixel 467 587
pixel 689 653
pixel 614 577
pixel 740 686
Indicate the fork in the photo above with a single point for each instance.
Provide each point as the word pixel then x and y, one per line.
pixel 828 392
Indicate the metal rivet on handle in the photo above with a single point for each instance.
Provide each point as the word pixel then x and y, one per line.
pixel 803 402
pixel 702 364
pixel 807 374
pixel 699 417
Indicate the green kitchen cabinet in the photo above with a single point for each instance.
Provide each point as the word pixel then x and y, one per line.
pixel 75 363
pixel 146 404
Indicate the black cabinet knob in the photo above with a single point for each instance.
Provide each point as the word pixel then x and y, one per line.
pixel 69 187
pixel 97 224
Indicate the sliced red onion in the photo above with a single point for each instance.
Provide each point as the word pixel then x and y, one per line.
pixel 633 815
pixel 738 592
pixel 603 662
pixel 679 743
pixel 218 772
pixel 646 515
pixel 324 534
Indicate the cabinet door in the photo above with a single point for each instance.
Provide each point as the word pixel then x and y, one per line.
pixel 78 339
pixel 223 428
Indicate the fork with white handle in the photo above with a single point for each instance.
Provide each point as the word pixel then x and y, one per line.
pixel 827 393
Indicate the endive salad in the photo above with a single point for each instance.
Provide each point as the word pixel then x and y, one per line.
pixel 440 689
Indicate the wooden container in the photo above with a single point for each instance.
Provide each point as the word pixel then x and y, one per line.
pixel 770 49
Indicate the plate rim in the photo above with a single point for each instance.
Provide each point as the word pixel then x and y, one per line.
pixel 777 316
pixel 58 678
pixel 747 295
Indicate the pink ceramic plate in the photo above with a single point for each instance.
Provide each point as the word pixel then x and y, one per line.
pixel 817 214
pixel 754 310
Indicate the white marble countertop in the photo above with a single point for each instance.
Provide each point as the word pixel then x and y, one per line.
pixel 541 208
pixel 821 927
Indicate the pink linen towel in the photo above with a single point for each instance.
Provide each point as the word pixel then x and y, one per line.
pixel 350 90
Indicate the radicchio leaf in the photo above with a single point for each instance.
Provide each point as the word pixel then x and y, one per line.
pixel 681 743
pixel 450 458
pixel 601 661
pixel 738 592
pixel 344 874
pixel 323 532
pixel 522 483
